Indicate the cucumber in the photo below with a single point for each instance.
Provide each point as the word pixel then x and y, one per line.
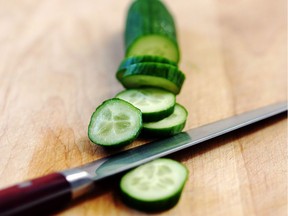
pixel 154 186
pixel 150 30
pixel 155 104
pixel 140 59
pixel 169 126
pixel 115 123
pixel 158 75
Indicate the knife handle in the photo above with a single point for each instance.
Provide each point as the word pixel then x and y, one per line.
pixel 35 196
pixel 44 195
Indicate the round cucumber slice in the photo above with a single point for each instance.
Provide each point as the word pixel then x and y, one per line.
pixel 171 125
pixel 154 186
pixel 156 75
pixel 115 123
pixel 141 59
pixel 155 104
pixel 158 45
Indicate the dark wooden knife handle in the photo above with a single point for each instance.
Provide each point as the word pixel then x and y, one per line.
pixel 36 197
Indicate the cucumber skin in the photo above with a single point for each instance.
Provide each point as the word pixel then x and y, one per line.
pixel 149 17
pixel 164 132
pixel 157 116
pixel 153 206
pixel 171 73
pixel 121 144
pixel 145 58
pixel 141 59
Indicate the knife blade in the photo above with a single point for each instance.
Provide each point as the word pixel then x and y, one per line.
pixel 57 189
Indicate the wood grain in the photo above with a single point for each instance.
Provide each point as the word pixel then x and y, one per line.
pixel 58 62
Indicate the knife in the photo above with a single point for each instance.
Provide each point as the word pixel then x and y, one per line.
pixel 58 189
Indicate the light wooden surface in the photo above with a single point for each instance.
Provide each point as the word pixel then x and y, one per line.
pixel 58 62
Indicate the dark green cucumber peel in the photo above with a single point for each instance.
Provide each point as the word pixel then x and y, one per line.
pixel 157 116
pixel 157 75
pixel 146 206
pixel 161 132
pixel 148 18
pixel 141 59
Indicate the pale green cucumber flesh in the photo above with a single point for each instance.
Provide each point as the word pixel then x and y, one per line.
pixel 154 103
pixel 114 123
pixel 154 186
pixel 157 45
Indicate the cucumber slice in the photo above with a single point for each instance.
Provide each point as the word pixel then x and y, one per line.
pixel 154 186
pixel 140 59
pixel 171 125
pixel 157 75
pixel 150 30
pixel 115 123
pixel 155 104
pixel 157 45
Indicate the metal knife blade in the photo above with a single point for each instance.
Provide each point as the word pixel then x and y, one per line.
pixel 123 161
pixel 128 159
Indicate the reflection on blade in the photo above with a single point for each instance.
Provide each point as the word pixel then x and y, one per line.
pixel 134 157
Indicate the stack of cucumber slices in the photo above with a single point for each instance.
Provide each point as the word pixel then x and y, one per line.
pixel 151 78
pixel 150 111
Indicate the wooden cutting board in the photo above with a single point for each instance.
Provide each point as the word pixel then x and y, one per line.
pixel 57 64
